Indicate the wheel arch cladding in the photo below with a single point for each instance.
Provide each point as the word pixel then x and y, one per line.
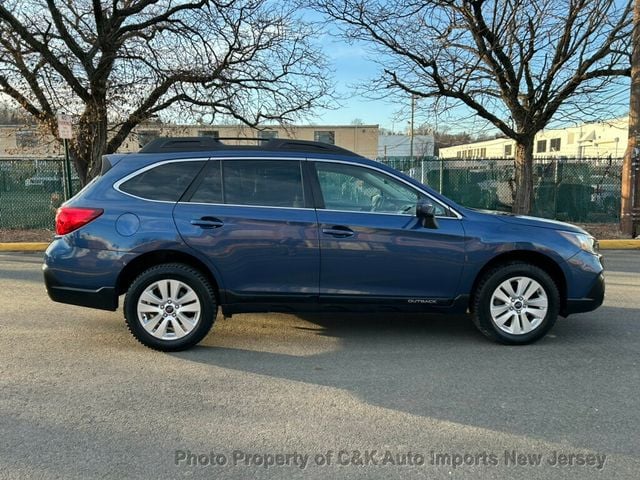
pixel 158 257
pixel 526 256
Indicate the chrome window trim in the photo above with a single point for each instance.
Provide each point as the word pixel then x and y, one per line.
pixel 117 184
pixel 242 206
pixel 410 185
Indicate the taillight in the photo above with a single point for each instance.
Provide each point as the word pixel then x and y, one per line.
pixel 69 219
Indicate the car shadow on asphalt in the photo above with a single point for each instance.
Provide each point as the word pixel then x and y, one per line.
pixel 441 367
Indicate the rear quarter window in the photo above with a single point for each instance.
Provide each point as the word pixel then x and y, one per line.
pixel 166 182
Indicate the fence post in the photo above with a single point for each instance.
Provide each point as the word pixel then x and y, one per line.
pixel 441 174
pixel 67 168
pixel 555 188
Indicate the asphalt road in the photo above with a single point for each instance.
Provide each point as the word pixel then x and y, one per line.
pixel 79 398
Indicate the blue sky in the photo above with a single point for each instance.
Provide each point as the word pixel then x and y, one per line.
pixel 352 68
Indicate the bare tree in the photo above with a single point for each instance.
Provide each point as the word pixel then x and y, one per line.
pixel 117 63
pixel 516 63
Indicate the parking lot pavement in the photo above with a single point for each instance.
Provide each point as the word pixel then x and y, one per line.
pixel 317 395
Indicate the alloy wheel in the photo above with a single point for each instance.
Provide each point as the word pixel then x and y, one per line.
pixel 169 309
pixel 519 305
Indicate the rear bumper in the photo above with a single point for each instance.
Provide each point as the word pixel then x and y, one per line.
pixel 82 276
pixel 104 298
pixel 593 300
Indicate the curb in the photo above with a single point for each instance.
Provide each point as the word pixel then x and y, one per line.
pixel 624 244
pixel 23 247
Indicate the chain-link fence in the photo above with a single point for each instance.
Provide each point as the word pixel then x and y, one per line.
pixel 575 190
pixel 31 191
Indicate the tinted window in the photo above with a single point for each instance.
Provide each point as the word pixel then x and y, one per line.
pixel 210 188
pixel 164 182
pixel 275 183
pixel 361 189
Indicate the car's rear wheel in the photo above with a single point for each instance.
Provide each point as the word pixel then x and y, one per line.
pixel 170 307
pixel 516 303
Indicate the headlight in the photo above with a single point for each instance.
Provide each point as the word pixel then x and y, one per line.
pixel 582 241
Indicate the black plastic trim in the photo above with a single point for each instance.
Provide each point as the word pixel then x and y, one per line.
pixel 240 303
pixel 104 298
pixel 593 300
pixel 203 144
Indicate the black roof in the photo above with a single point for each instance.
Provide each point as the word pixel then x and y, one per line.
pixel 201 144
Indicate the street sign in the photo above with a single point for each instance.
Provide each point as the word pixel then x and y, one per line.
pixel 65 132
pixel 65 129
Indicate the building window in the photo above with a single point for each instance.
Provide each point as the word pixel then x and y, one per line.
pixel 483 152
pixel 325 136
pixel 146 136
pixel 541 146
pixel 209 133
pixel 508 150
pixel 26 139
pixel 554 145
pixel 267 134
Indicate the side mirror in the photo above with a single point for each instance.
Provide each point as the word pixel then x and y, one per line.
pixel 426 213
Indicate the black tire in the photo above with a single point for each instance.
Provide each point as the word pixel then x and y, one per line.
pixel 187 276
pixel 481 302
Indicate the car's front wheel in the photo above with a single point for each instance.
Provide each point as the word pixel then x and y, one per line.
pixel 516 303
pixel 170 307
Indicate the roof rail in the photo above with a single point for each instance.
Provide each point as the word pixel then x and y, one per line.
pixel 200 144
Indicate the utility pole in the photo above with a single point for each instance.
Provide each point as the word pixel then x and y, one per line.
pixel 413 112
pixel 630 205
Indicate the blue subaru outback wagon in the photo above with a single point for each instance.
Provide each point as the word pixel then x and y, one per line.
pixel 192 224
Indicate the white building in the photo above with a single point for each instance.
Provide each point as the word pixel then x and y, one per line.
pixel 589 140
pixel 400 146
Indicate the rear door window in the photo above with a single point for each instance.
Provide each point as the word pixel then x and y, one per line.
pixel 270 183
pixel 210 188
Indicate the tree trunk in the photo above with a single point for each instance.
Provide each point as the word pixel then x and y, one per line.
pixel 523 197
pixel 91 141
pixel 630 191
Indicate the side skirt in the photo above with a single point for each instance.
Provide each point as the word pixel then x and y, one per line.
pixel 305 304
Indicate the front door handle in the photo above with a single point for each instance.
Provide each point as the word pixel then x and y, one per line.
pixel 207 222
pixel 339 231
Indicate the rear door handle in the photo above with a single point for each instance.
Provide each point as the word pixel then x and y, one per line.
pixel 207 222
pixel 339 231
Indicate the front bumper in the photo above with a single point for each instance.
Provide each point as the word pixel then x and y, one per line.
pixel 593 299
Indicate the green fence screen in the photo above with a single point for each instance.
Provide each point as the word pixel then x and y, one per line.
pixel 575 190
pixel 31 191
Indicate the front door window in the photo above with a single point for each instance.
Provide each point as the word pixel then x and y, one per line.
pixel 359 189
